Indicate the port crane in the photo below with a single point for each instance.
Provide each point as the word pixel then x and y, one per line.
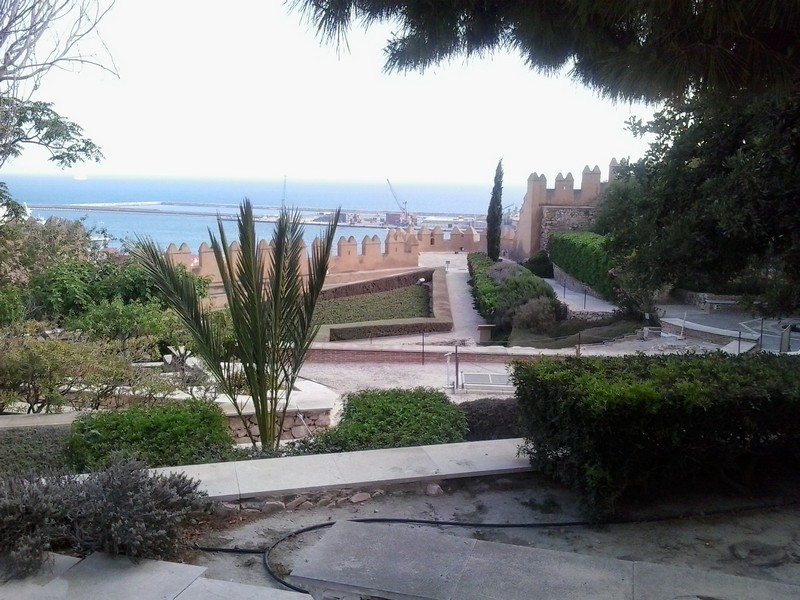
pixel 403 206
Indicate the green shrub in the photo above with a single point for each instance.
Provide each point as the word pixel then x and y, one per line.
pixel 500 289
pixel 618 429
pixel 392 418
pixel 584 256
pixel 403 303
pixel 121 510
pixel 540 265
pixel 491 419
pixel 178 433
pixel 33 449
pixel 12 308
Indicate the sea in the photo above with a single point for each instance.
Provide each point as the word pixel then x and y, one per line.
pixel 182 210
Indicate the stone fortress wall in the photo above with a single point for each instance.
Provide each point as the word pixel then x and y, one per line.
pixel 544 211
pixel 562 208
pixel 401 250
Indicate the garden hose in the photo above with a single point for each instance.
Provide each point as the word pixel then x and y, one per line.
pixel 265 552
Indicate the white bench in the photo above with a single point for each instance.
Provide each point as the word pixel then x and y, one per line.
pixel 487 382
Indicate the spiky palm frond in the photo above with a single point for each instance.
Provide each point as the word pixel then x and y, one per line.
pixel 271 306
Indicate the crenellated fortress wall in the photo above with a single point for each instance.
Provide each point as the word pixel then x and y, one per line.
pixel 401 250
pixel 562 208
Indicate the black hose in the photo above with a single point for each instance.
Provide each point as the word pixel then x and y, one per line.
pixel 539 525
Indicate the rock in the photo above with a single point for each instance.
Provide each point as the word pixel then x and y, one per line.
pixel 296 502
pixel 225 509
pixel 377 493
pixel 300 431
pixel 434 489
pixel 269 507
pixel 306 505
pixel 360 497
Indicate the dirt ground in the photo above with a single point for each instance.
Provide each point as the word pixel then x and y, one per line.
pixel 722 534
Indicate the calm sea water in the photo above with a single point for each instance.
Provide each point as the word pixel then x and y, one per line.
pixel 182 210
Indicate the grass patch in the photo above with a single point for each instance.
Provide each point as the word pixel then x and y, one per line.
pixel 566 335
pixel 33 450
pixel 410 302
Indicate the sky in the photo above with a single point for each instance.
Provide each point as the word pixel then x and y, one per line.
pixel 245 89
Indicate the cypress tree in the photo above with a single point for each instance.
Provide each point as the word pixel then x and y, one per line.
pixel 494 218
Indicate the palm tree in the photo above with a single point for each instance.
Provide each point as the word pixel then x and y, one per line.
pixel 628 49
pixel 271 306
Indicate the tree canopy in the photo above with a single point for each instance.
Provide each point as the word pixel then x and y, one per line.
pixel 714 202
pixel 628 49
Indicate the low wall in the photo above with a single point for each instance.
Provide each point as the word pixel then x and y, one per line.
pixel 297 425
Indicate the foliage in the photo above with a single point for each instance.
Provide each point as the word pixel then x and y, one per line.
pixel 402 303
pixel 117 319
pixel 271 303
pixel 494 217
pixel 392 418
pixel 33 449
pixel 537 315
pixel 34 122
pixel 47 373
pixel 28 247
pixel 719 186
pixel 123 509
pixel 177 433
pixel 617 429
pixel 584 256
pixel 491 419
pixel 386 328
pixel 630 50
pixel 500 289
pixel 540 264
pixel 74 287
pixel 11 307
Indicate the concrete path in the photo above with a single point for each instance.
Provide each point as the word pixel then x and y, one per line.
pixel 355 559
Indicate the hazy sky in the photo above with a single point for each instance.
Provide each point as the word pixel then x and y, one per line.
pixel 244 89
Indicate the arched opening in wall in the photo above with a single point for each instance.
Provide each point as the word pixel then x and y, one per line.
pixel 432 241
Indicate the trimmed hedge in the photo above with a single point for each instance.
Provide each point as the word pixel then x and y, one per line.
pixel 392 418
pixel 619 429
pixel 499 289
pixel 179 433
pixel 583 255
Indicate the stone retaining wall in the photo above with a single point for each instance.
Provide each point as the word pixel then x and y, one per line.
pixel 295 426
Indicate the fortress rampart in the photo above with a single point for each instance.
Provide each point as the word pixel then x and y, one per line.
pixel 537 217
pixel 401 250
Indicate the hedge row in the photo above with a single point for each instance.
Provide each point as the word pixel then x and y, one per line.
pixel 370 329
pixel 180 433
pixel 392 418
pixel 500 288
pixel 583 255
pixel 623 428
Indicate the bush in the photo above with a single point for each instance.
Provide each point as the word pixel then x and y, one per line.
pixel 11 307
pixel 619 429
pixel 392 418
pixel 178 433
pixel 584 256
pixel 31 449
pixel 121 510
pixel 500 289
pixel 540 265
pixel 491 419
pixel 539 315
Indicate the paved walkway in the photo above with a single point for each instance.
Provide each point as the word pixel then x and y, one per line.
pixel 504 571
